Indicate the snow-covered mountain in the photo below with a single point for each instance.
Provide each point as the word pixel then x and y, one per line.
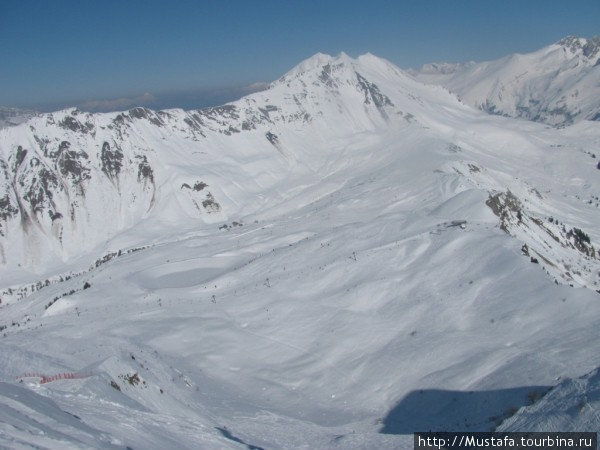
pixel 334 262
pixel 572 405
pixel 64 173
pixel 557 85
pixel 10 117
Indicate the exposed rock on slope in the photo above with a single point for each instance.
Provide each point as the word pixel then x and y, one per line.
pixel 64 173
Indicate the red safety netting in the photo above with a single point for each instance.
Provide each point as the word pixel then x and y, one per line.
pixel 48 378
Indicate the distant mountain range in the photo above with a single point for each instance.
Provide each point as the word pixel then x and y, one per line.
pixel 14 116
pixel 558 84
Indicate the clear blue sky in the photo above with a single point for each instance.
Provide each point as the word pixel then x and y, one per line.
pixel 186 53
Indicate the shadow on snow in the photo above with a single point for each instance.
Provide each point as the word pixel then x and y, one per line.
pixel 439 410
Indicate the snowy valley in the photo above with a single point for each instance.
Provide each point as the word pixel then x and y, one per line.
pixel 335 262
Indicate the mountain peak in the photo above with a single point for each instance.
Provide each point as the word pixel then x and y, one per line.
pixel 316 60
pixel 320 61
pixel 572 41
pixel 588 47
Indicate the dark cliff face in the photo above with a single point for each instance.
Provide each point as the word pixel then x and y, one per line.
pixel 72 165
pixel 50 168
pixel 590 48
pixel 111 160
pixel 7 211
pixel 42 187
pixel 70 171
pixel 372 93
pixel 145 172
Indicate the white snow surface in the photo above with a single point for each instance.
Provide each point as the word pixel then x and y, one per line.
pixel 558 84
pixel 332 276
pixel 572 405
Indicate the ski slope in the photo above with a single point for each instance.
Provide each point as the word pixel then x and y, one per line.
pixel 366 253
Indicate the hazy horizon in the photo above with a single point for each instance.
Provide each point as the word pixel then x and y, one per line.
pixel 116 55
